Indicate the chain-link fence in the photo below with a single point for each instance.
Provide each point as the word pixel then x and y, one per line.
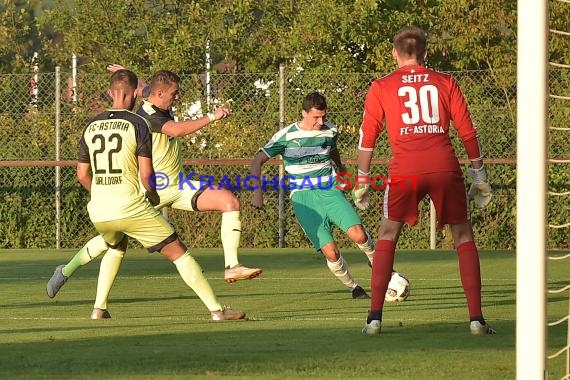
pixel 43 205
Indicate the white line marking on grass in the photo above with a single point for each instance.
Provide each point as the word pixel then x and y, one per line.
pixel 326 277
pixel 175 277
pixel 180 318
pixel 252 318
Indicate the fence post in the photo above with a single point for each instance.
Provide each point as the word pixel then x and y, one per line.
pixel 74 78
pixel 57 158
pixel 34 81
pixel 281 167
pixel 432 227
pixel 208 77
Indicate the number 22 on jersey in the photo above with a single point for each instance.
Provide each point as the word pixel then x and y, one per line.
pixel 113 144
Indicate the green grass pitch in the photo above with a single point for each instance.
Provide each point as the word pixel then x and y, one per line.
pixel 302 322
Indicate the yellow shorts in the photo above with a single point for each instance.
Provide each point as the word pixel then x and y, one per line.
pixel 181 199
pixel 148 226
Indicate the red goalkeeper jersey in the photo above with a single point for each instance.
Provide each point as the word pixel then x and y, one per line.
pixel 418 105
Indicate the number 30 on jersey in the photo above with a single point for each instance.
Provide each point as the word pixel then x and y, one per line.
pixel 421 103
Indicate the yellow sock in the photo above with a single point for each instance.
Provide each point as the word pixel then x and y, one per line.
pixel 92 249
pixel 110 265
pixel 231 235
pixel 191 273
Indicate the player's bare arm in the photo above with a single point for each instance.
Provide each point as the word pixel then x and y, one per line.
pixel 146 173
pixel 84 175
pixel 364 159
pixel 183 128
pixel 180 128
pixel 337 161
pixel 255 170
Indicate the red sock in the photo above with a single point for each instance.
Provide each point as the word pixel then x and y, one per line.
pixel 381 273
pixel 470 277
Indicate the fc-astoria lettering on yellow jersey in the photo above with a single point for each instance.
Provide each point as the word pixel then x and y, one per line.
pixel 111 144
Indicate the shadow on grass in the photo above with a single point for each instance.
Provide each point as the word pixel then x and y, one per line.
pixel 274 349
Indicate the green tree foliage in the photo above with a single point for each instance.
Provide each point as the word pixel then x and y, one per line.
pixel 145 35
pixel 257 36
pixel 329 35
pixel 19 34
pixel 473 35
pixel 249 34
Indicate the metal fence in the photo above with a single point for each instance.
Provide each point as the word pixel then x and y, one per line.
pixel 43 205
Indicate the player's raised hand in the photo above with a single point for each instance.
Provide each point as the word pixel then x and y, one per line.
pixel 112 67
pixel 221 113
pixel 480 190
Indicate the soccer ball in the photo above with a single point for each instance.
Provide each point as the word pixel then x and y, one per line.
pixel 398 288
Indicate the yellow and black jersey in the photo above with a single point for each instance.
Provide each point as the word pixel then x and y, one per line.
pixel 166 150
pixel 111 144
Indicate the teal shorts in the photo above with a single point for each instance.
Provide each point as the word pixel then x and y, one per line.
pixel 318 210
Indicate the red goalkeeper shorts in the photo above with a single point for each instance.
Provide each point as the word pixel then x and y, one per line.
pixel 446 190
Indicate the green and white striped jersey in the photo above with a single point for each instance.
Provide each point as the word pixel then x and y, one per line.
pixel 306 155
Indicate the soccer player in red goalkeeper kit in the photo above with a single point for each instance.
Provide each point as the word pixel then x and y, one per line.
pixel 418 104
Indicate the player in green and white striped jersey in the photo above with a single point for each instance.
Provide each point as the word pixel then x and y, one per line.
pixel 311 160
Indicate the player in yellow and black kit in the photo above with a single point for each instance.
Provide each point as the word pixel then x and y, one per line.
pixel 167 159
pixel 115 160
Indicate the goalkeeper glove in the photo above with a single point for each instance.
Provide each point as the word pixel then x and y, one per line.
pixel 152 197
pixel 360 196
pixel 480 190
